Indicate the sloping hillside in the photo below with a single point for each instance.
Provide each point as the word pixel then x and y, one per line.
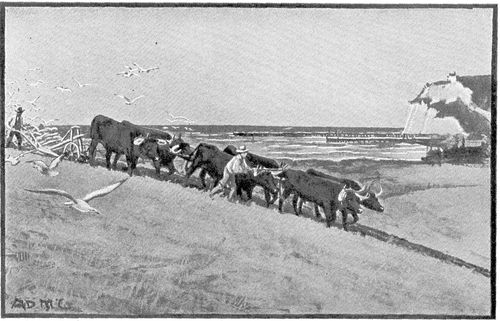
pixel 161 248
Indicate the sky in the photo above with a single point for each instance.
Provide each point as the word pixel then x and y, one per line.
pixel 241 66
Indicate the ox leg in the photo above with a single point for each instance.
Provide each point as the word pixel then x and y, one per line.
pixel 171 168
pixel 189 172
pixel 355 218
pixel 157 166
pixel 344 219
pixel 299 205
pixel 115 162
pixel 267 196
pixel 239 191
pixel 131 163
pixel 316 210
pixel 294 203
pixel 329 214
pixel 249 193
pixel 108 159
pixel 283 197
pixel 92 151
pixel 203 174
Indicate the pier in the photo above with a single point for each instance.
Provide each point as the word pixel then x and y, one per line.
pixel 367 138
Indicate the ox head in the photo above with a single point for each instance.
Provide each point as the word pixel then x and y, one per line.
pixel 183 150
pixel 266 179
pixel 349 200
pixel 369 198
pixel 141 140
pixel 149 148
pixel 280 173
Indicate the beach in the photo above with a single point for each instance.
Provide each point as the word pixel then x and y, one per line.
pixel 161 248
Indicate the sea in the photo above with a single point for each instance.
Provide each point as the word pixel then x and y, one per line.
pixel 296 150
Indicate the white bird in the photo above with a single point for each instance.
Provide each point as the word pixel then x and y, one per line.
pixel 128 100
pixel 34 69
pixel 33 101
pixel 81 204
pixel 128 73
pixel 47 170
pixel 80 84
pixel 63 89
pixel 146 70
pixel 45 122
pixel 14 160
pixel 179 118
pixel 36 83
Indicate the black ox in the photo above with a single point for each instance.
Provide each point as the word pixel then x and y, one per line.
pixel 331 196
pixel 211 160
pixel 125 138
pixel 366 197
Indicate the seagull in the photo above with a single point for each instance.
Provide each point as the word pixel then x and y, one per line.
pixel 81 204
pixel 33 101
pixel 47 170
pixel 128 73
pixel 34 69
pixel 128 100
pixel 146 70
pixel 179 118
pixel 36 83
pixel 47 122
pixel 14 160
pixel 81 85
pixel 63 89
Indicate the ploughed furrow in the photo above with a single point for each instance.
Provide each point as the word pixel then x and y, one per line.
pixel 393 239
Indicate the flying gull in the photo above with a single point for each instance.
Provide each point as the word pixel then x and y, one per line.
pixel 178 118
pixel 33 101
pixel 128 73
pixel 63 89
pixel 128 100
pixel 146 70
pixel 36 83
pixel 80 84
pixel 47 169
pixel 14 160
pixel 81 204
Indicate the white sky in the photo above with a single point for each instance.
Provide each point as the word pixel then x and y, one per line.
pixel 260 66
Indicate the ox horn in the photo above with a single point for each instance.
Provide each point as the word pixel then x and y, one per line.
pixel 162 142
pixel 275 173
pixel 176 149
pixel 364 189
pixel 138 141
pixel 381 190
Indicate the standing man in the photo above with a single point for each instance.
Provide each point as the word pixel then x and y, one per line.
pixel 18 124
pixel 237 165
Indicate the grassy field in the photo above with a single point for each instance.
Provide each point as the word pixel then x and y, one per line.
pixel 160 248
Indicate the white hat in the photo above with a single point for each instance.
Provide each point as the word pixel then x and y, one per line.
pixel 242 149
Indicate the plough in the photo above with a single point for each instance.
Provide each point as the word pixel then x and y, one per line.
pixel 48 141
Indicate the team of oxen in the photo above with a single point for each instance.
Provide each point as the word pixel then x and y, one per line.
pixel 331 193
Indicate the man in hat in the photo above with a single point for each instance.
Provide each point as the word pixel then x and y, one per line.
pixel 18 124
pixel 237 165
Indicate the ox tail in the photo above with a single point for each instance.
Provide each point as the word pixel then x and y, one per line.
pixel 94 128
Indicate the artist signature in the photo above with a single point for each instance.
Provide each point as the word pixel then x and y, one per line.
pixel 43 304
